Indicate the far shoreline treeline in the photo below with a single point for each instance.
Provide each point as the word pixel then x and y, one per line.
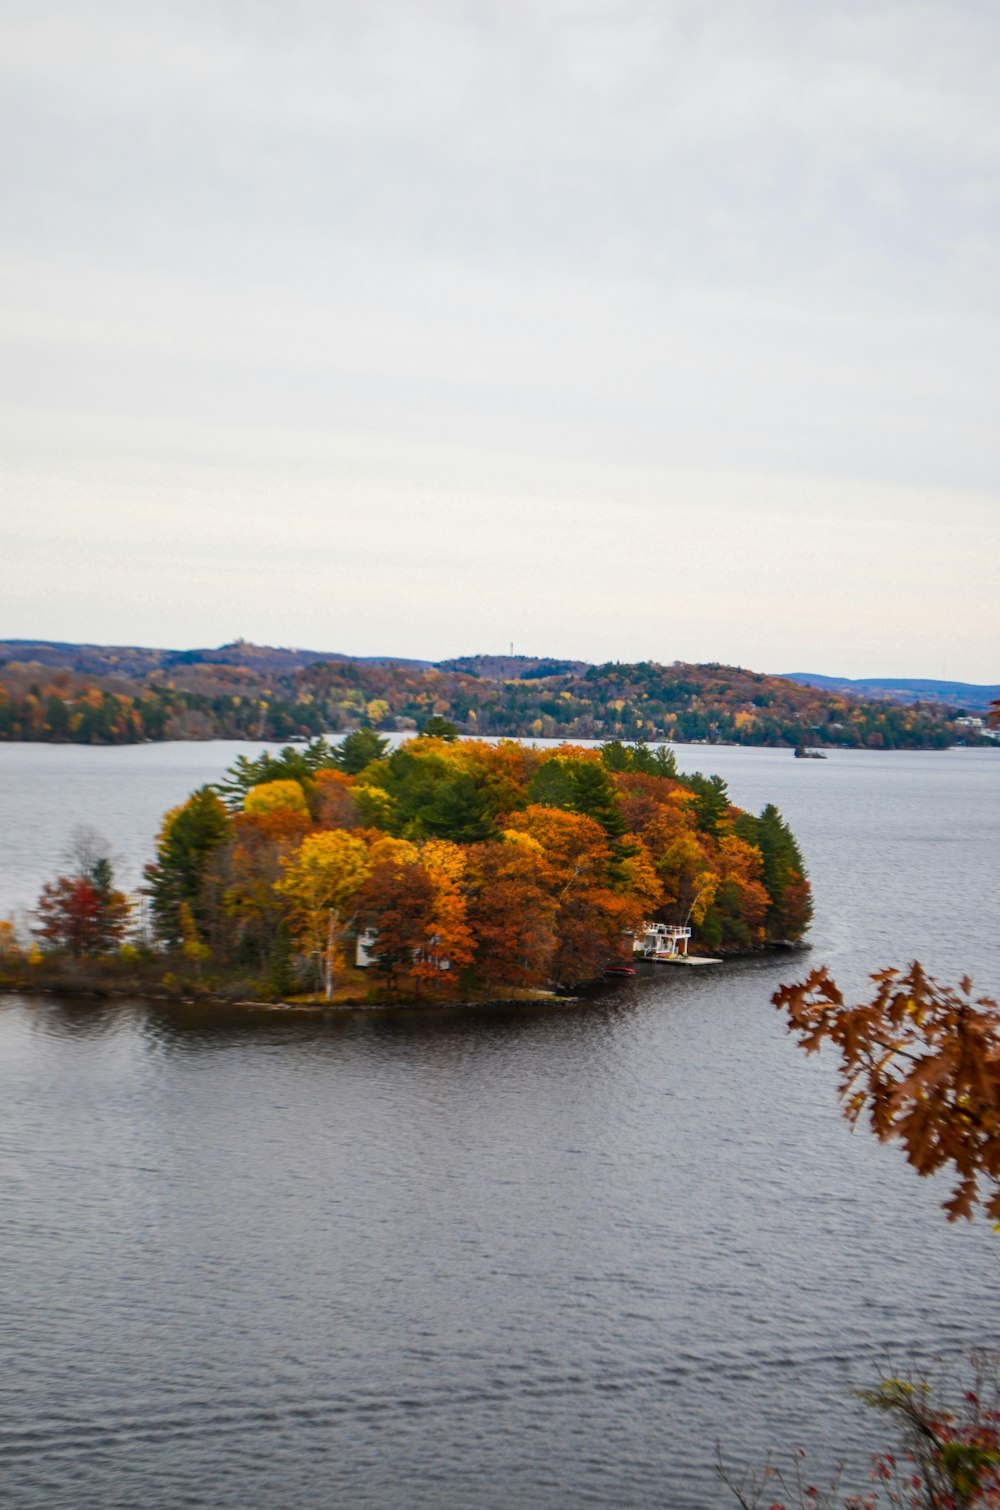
pixel 465 870
pixel 82 694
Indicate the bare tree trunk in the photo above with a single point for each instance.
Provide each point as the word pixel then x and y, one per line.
pixel 328 957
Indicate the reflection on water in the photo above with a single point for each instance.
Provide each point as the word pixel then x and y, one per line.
pixel 533 1257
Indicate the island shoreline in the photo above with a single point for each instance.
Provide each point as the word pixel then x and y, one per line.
pixel 599 988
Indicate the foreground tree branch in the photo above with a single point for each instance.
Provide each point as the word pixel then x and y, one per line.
pixel 947 1455
pixel 922 1060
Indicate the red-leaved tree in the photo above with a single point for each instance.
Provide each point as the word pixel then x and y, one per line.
pixel 83 913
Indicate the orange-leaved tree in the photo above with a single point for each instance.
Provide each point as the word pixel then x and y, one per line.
pixel 512 911
pixel 923 1061
pixel 397 903
pixel 450 945
pixel 577 872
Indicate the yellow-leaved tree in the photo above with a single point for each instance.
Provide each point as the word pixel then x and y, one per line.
pixel 276 797
pixel 320 880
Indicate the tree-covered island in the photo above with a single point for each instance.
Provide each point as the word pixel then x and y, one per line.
pixel 469 871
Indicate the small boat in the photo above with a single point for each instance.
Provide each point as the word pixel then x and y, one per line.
pixel 619 970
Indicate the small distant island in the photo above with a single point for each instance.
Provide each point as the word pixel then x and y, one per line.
pixel 94 694
pixel 444 870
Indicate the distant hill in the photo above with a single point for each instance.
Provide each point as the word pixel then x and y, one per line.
pixel 100 694
pixel 137 660
pixel 512 668
pixel 972 696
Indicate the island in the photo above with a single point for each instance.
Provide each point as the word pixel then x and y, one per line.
pixel 444 870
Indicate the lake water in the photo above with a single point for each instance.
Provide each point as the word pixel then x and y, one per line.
pixel 533 1258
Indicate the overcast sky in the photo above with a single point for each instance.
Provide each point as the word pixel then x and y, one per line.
pixel 614 329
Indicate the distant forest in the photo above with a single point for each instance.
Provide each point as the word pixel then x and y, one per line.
pixel 89 694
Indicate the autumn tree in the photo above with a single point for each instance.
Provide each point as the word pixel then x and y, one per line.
pixel 69 915
pixel 239 888
pixel 512 911
pixel 639 877
pixel 396 902
pixel 502 771
pixel 739 898
pixel 332 800
pixel 449 947
pixel 84 912
pixel 689 881
pixel 320 881
pixel 591 917
pixel 282 798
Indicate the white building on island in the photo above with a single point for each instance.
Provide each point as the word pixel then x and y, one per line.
pixel 661 941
